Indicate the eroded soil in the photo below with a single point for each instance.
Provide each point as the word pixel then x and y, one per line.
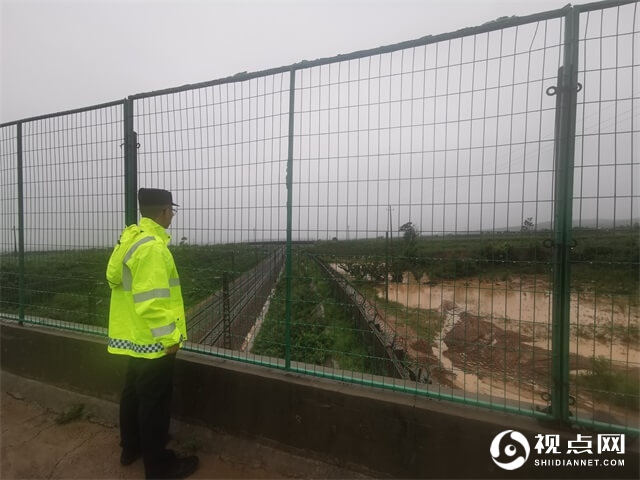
pixel 494 338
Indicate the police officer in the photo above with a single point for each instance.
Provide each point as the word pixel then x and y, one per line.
pixel 147 323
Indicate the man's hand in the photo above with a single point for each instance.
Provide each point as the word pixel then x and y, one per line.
pixel 173 349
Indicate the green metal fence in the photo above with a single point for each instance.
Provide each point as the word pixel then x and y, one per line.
pixel 458 213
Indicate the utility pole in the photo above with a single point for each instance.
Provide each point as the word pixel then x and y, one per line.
pixel 386 265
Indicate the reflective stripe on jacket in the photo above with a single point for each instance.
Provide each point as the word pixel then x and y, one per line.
pixel 147 312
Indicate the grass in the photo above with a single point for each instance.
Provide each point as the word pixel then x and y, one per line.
pixel 191 445
pixel 618 387
pixel 602 260
pixel 425 323
pixel 609 333
pixel 322 331
pixel 71 286
pixel 66 285
pixel 74 412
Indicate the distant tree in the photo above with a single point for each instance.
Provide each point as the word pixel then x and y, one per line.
pixel 528 225
pixel 397 272
pixel 409 231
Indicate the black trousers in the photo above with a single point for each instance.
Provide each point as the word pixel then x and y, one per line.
pixel 145 408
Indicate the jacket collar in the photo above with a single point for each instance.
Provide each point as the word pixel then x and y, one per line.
pixel 149 226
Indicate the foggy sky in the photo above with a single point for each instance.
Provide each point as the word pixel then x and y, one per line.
pixel 59 55
pixel 455 136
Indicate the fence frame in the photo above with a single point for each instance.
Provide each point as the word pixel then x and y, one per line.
pixel 564 152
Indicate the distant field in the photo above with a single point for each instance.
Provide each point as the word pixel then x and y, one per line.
pixel 71 285
pixel 475 311
pixel 608 261
pixel 322 331
pixel 455 304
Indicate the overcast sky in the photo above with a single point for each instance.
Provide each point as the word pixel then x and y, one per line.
pixel 59 55
pixel 455 136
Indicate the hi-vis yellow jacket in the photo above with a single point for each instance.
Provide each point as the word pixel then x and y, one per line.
pixel 147 311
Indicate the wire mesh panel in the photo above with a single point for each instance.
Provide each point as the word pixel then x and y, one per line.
pixel 426 176
pixel 394 217
pixel 73 211
pixel 9 220
pixel 222 151
pixel 605 335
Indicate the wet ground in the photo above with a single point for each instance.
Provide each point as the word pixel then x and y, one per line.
pixel 494 338
pixel 52 433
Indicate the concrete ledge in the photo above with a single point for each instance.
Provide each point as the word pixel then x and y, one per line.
pixel 87 446
pixel 386 432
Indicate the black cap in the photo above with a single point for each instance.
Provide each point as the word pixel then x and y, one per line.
pixel 152 197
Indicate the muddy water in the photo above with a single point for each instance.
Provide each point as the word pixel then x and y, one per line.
pixel 525 307
pixel 460 378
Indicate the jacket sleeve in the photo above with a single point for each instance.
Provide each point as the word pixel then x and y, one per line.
pixel 152 295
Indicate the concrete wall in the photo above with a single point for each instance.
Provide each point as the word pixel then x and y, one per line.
pixel 393 434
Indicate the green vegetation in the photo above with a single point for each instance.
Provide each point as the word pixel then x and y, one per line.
pixel 619 387
pixel 201 267
pixel 610 333
pixel 323 331
pixel 602 260
pixel 425 323
pixel 67 285
pixel 74 412
pixel 71 286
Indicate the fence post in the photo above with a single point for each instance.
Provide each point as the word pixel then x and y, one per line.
pixel 226 311
pixel 289 260
pixel 566 104
pixel 21 267
pixel 130 165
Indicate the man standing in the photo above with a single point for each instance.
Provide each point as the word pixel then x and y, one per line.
pixel 147 323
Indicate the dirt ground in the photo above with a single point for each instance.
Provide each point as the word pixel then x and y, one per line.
pixel 34 445
pixel 495 339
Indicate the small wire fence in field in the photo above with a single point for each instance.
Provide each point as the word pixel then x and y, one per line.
pixel 454 216
pixel 431 158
